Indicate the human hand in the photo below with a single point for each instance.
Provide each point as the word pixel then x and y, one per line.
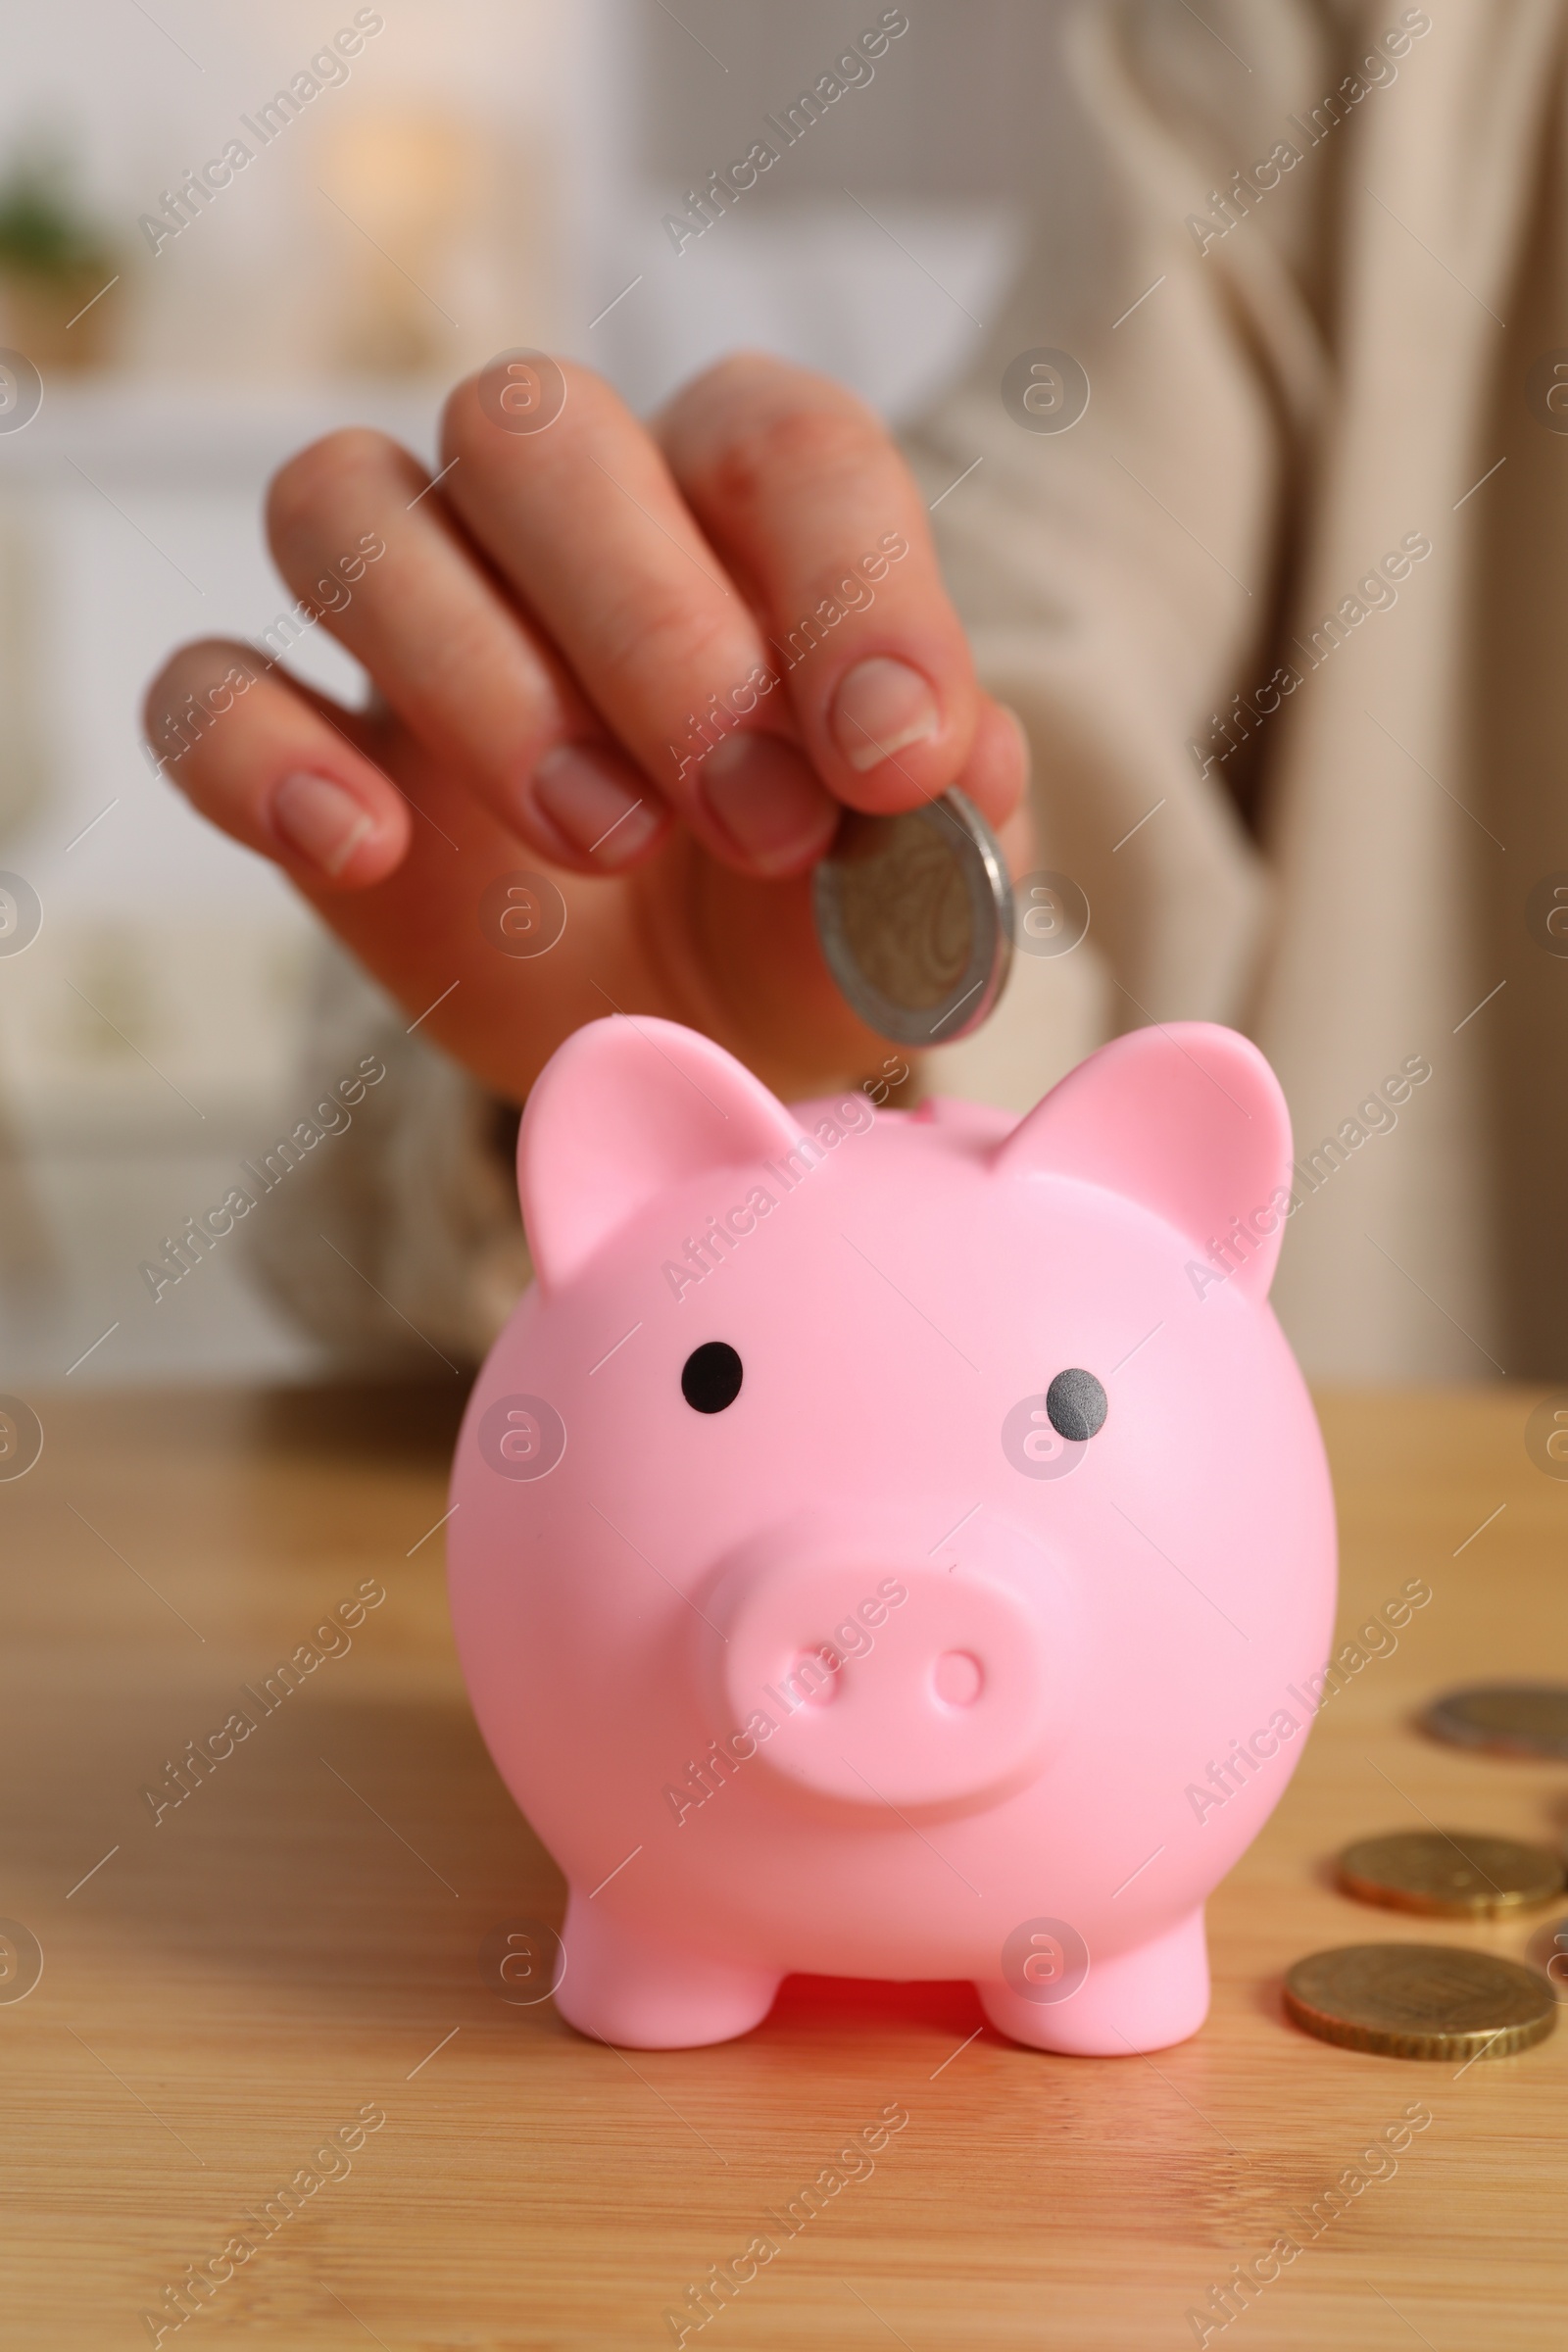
pixel 547 628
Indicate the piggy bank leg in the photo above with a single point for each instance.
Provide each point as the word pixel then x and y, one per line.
pixel 622 1985
pixel 1142 2000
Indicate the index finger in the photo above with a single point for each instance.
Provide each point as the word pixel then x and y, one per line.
pixel 800 490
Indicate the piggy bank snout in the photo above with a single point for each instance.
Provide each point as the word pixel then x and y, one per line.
pixel 886 1683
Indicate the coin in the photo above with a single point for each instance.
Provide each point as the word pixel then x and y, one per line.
pixel 1450 1871
pixel 1507 1719
pixel 1420 2000
pixel 915 916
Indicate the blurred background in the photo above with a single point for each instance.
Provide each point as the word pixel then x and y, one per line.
pixel 474 175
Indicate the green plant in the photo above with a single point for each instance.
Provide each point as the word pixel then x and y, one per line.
pixel 43 233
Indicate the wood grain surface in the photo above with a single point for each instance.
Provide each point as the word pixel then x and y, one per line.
pixel 232 1993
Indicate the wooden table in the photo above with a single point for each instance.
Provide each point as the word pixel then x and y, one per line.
pixel 299 1941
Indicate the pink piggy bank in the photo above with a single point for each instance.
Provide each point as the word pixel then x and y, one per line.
pixel 895 1543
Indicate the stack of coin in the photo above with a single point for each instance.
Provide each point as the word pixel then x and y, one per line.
pixel 1413 2001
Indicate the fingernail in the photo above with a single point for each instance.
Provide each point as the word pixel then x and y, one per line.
pixel 320 819
pixel 768 802
pixel 597 803
pixel 880 706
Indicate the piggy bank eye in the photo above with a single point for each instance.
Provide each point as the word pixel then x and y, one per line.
pixel 710 1377
pixel 1075 1405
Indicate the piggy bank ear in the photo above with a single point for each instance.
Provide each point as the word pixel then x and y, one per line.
pixel 1186 1118
pixel 623 1111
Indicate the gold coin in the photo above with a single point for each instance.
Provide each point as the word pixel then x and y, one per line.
pixel 1507 1719
pixel 1420 2000
pixel 1450 1871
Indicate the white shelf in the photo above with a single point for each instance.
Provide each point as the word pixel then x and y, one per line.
pixel 192 435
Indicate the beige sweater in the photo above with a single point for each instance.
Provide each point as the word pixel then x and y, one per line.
pixel 1283 616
